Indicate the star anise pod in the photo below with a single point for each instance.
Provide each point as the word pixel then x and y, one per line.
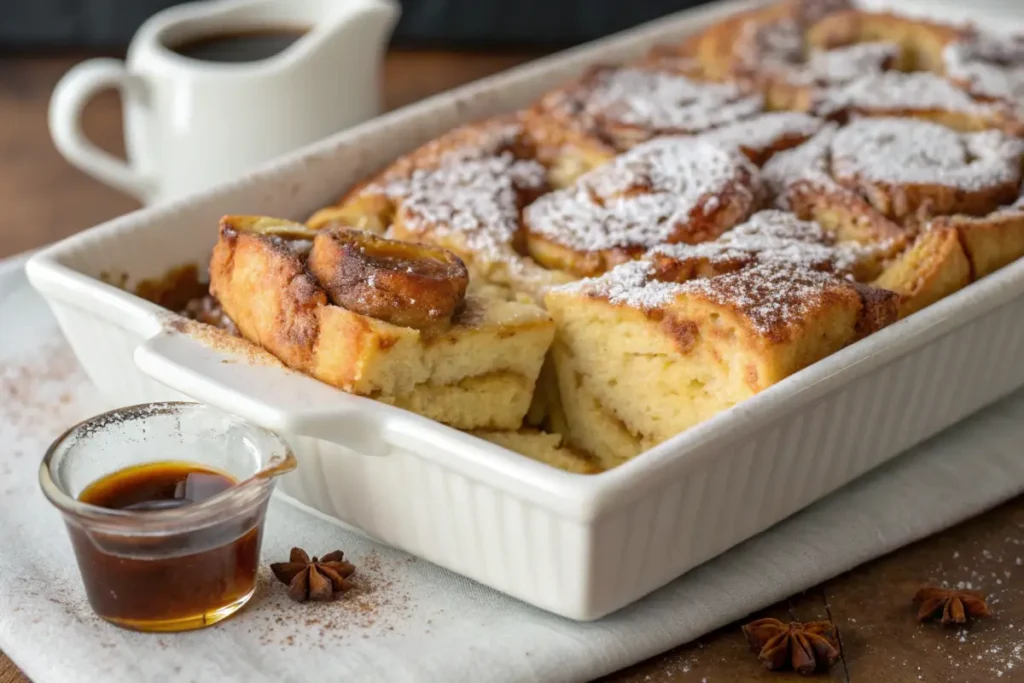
pixel 954 606
pixel 805 647
pixel 317 579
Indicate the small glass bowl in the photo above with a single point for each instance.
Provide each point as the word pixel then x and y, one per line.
pixel 176 569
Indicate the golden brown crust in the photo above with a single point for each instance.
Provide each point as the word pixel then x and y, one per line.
pixel 367 206
pixel 765 48
pixel 764 273
pixel 879 308
pixel 619 107
pixel 920 42
pixel 932 268
pixel 825 57
pixel 264 289
pixel 405 284
pixel 990 242
pixel 640 358
pixel 568 151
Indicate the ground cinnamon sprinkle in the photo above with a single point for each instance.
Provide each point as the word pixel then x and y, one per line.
pixel 376 604
pixel 28 392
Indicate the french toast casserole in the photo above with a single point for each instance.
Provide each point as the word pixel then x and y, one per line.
pixel 654 242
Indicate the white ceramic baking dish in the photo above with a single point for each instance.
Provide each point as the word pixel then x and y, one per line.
pixel 579 546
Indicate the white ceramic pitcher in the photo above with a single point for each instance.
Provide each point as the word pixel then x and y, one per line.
pixel 190 123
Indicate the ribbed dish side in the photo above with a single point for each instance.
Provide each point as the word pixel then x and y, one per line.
pixel 106 352
pixel 800 458
pixel 478 531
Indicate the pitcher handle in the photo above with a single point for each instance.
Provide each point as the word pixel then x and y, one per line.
pixel 72 93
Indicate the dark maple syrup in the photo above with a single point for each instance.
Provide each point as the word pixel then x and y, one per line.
pixel 156 486
pixel 167 582
pixel 240 46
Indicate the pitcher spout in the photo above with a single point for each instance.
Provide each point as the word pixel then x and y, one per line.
pixel 344 52
pixel 378 17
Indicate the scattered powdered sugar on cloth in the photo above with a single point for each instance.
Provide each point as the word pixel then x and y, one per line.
pixel 409 620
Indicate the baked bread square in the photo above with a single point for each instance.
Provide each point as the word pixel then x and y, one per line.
pixel 382 319
pixel 658 345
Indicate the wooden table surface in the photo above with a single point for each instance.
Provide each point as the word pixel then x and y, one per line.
pixel 45 199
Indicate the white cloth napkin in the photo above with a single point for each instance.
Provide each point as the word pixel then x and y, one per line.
pixel 412 621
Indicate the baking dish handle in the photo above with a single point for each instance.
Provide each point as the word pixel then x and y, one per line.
pixel 275 398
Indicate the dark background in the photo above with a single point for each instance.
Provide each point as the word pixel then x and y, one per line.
pixel 109 24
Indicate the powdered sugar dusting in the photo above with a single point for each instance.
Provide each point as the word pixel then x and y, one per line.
pixel 778 46
pixel 662 101
pixel 630 284
pixel 765 130
pixel 906 151
pixel 988 65
pixel 771 295
pixel 472 142
pixel 809 161
pixel 644 197
pixel 844 64
pixel 897 91
pixel 772 237
pixel 898 152
pixel 477 198
pixel 779 268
